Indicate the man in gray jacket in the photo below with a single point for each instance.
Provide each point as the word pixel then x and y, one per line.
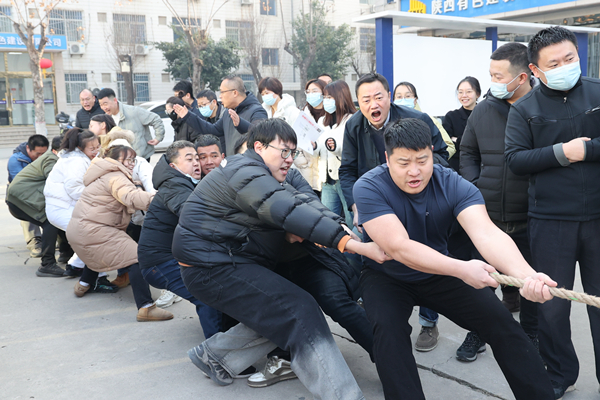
pixel 136 119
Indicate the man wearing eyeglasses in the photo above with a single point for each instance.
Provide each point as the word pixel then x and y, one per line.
pixel 244 108
pixel 239 221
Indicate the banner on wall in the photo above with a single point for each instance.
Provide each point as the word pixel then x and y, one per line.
pixel 12 41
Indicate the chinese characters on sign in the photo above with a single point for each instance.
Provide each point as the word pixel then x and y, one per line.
pixel 447 6
pixel 12 41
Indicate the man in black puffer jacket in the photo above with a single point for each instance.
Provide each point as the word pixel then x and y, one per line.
pixel 232 231
pixel 175 177
pixel 553 134
pixel 482 163
pixel 89 108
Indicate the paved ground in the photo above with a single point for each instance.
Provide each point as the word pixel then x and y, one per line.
pixel 56 346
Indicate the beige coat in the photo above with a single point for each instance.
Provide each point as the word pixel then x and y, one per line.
pixel 97 229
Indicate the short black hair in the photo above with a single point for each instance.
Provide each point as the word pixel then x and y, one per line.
pixel 410 86
pixel 176 100
pixel 272 84
pixel 268 130
pixel 208 140
pixel 106 92
pixel 325 75
pixel 473 82
pixel 240 142
pixel 172 152
pixel 108 120
pixel 516 55
pixel 56 140
pixel 407 133
pixel 184 86
pixel 37 141
pixel 370 78
pixel 548 37
pixel 209 94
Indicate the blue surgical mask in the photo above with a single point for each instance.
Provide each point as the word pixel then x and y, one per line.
pixel 500 91
pixel 269 99
pixel 562 78
pixel 410 103
pixel 206 111
pixel 194 180
pixel 314 99
pixel 329 105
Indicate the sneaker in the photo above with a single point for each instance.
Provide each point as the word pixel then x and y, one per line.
pixel 35 247
pixel 121 281
pixel 276 370
pixel 167 299
pixel 560 390
pixel 469 349
pixel 153 313
pixel 209 366
pixel 50 271
pixel 102 285
pixel 512 301
pixel 80 290
pixel 72 272
pixel 427 339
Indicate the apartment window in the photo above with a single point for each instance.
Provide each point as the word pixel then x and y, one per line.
pixel 238 31
pixel 66 22
pixel 141 86
pixel 128 28
pixel 367 37
pixel 194 23
pixel 217 23
pixel 106 78
pixel 267 7
pixel 101 17
pixel 270 56
pixel 5 22
pixel 75 83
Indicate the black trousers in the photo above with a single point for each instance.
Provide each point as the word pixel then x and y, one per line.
pixel 556 246
pixel 389 304
pixel 50 234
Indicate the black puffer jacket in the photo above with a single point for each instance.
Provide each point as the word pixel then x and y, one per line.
pixel 482 162
pixel 162 217
pixel 239 214
pixel 183 131
pixel 83 117
pixel 538 124
pixel 359 154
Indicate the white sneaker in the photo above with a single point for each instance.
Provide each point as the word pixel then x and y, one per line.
pixel 276 370
pixel 167 299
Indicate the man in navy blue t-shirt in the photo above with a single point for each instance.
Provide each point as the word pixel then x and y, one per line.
pixel 407 207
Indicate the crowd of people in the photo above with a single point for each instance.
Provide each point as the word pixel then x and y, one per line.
pixel 390 208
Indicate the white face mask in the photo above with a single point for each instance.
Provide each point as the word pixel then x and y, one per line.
pixel 194 180
pixel 500 91
pixel 562 78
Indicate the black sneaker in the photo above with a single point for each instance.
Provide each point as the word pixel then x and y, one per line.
pixel 561 389
pixel 472 345
pixel 72 272
pixel 50 271
pixel 103 286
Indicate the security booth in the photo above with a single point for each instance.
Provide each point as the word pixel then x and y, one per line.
pixel 16 85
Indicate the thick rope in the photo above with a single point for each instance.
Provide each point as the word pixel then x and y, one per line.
pixel 556 292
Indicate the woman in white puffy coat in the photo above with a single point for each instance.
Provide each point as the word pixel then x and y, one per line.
pixel 338 105
pixel 65 183
pixel 283 106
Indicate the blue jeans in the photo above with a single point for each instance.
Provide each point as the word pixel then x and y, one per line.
pixel 428 318
pixel 333 198
pixel 168 276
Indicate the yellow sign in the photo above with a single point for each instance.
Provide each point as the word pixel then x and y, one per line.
pixel 417 7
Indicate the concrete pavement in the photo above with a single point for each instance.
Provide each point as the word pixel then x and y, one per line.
pixel 56 346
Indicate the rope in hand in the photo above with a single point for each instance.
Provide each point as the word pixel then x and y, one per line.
pixel 556 292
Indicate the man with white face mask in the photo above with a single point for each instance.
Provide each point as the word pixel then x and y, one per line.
pixel 552 134
pixel 482 163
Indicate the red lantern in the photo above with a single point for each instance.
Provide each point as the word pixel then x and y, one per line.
pixel 45 63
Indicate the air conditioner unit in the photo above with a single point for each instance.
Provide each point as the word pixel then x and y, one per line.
pixel 246 2
pixel 141 49
pixel 76 48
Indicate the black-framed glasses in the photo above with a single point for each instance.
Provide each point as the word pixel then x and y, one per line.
pixel 285 153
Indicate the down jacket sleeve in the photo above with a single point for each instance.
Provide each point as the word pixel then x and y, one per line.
pixel 349 168
pixel 174 196
pixel 260 195
pixel 127 194
pixel 470 158
pixel 143 172
pixel 74 177
pixel 297 181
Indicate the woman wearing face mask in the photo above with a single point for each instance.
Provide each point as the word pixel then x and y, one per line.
pixel 98 226
pixel 405 94
pixel 314 99
pixel 455 121
pixel 65 185
pixel 182 130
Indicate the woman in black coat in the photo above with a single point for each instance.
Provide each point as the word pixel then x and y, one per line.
pixel 182 130
pixel 455 121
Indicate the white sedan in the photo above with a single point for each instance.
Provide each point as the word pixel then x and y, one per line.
pixel 158 107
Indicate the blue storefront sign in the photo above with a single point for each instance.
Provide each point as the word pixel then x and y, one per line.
pixel 475 8
pixel 12 41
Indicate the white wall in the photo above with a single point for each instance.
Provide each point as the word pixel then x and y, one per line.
pixel 436 65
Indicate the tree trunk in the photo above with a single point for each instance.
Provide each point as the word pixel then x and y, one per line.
pixel 197 63
pixel 38 93
pixel 253 62
pixel 129 89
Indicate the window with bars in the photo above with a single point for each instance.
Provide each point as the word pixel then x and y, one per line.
pixel 141 86
pixel 267 7
pixel 367 38
pixel 129 28
pixel 66 22
pixel 194 23
pixel 238 31
pixel 270 56
pixel 75 83
pixel 5 22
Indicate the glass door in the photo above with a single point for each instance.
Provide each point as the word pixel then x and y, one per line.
pixel 21 93
pixel 4 113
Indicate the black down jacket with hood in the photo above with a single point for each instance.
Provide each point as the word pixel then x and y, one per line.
pixel 239 214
